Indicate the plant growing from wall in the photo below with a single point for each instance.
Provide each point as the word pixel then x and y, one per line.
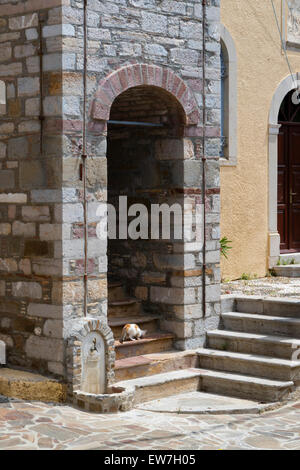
pixel 225 246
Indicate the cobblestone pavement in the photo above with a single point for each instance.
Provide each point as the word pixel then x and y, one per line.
pixel 26 425
pixel 267 286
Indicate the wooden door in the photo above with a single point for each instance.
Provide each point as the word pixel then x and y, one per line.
pixel 289 187
pixel 294 187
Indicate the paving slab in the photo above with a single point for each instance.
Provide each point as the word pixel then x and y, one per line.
pixel 26 425
pixel 204 403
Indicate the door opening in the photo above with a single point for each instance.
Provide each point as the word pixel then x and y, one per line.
pixel 145 156
pixel 289 175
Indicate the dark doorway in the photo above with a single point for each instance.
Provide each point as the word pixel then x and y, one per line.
pixel 289 175
pixel 145 156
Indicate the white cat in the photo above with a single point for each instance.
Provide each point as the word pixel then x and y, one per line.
pixel 132 332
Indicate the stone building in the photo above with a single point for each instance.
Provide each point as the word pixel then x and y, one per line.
pixel 73 74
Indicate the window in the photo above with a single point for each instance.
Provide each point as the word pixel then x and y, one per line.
pixel 2 98
pixel 223 102
pixel 228 66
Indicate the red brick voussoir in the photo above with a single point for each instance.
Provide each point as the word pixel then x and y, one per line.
pixel 143 74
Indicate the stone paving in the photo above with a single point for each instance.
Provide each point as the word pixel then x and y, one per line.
pixel 267 286
pixel 34 426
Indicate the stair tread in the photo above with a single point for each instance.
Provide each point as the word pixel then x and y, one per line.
pixel 287 266
pixel 125 301
pixel 232 376
pixel 158 379
pixel 151 358
pixel 258 316
pixel 119 321
pixel 148 339
pixel 255 336
pixel 183 374
pixel 132 362
pixel 249 357
pixel 114 284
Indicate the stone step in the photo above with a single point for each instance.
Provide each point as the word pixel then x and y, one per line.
pixel 112 283
pixel 276 307
pixel 29 386
pixel 124 308
pixel 243 386
pixel 145 322
pixel 153 343
pixel 259 366
pixel 290 270
pixel 290 257
pixel 225 383
pixel 252 323
pixel 116 291
pixel 251 343
pixel 156 363
pixel 163 385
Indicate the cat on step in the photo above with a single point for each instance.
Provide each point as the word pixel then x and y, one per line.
pixel 132 332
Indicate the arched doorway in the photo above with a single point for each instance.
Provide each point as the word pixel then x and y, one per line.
pixel 289 175
pixel 145 156
pixel 286 86
pixel 149 120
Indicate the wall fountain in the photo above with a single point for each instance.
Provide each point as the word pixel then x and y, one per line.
pixel 91 361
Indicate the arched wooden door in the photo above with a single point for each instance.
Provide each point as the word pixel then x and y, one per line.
pixel 289 176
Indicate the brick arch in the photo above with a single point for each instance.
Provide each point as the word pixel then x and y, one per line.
pixel 143 74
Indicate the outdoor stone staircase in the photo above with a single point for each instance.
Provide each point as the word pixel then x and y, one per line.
pixel 250 356
pixel 153 354
pixel 254 356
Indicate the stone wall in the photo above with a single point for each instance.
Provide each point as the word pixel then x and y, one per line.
pixel 31 188
pixel 130 43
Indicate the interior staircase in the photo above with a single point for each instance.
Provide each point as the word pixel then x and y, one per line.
pixel 251 356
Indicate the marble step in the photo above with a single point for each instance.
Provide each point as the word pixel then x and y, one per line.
pixel 276 307
pixel 256 323
pixel 193 379
pixel 290 270
pixel 152 343
pixel 162 385
pixel 248 364
pixel 290 257
pixel 244 386
pixel 252 343
pixel 155 363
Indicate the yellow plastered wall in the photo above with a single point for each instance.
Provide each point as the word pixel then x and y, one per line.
pixel 244 188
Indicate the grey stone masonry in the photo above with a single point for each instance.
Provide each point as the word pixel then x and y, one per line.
pixel 145 60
